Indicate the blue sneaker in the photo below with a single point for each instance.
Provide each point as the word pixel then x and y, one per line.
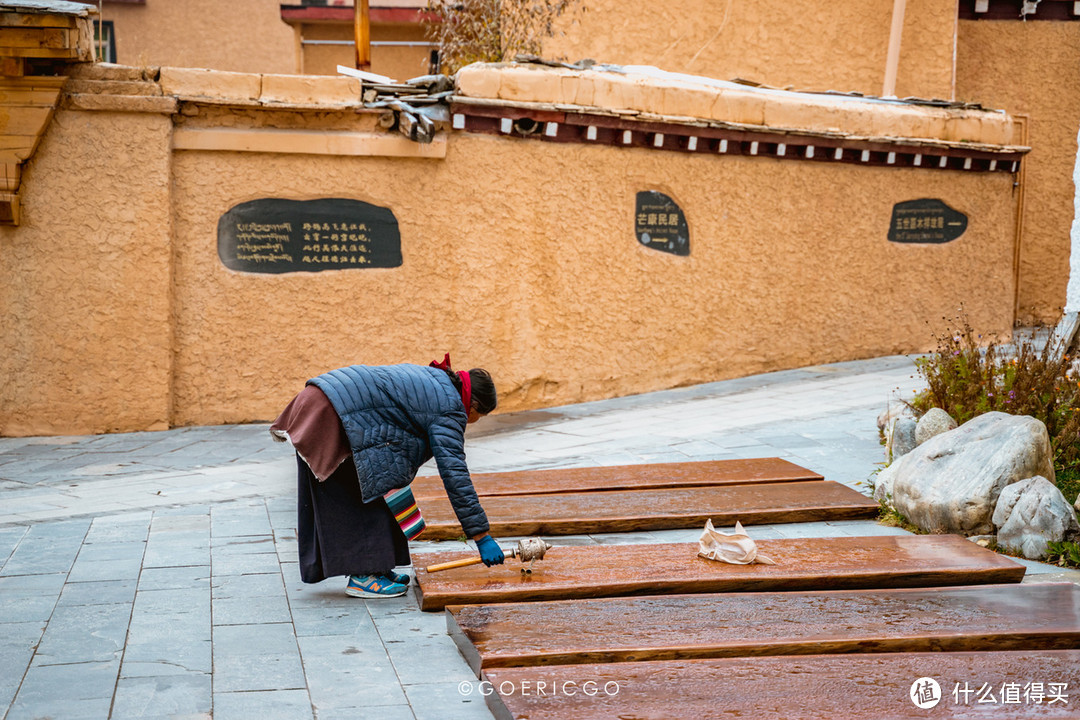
pixel 398 578
pixel 373 586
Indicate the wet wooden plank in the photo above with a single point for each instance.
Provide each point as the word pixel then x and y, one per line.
pixel 626 477
pixel 815 687
pixel 681 627
pixel 666 509
pixel 836 563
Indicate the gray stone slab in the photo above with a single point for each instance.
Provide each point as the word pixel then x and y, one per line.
pixel 221 547
pixel 176 549
pixel 84 633
pixel 382 712
pixel 80 692
pixel 175 578
pixel 43 551
pixel 246 586
pixel 350 672
pixel 125 528
pixel 29 598
pixel 105 592
pixel 447 701
pixel 169 696
pixel 98 570
pixel 9 539
pixel 248 610
pixel 250 564
pixel 256 657
pixel 17 644
pixel 267 705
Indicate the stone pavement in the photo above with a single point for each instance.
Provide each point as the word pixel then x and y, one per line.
pixel 153 575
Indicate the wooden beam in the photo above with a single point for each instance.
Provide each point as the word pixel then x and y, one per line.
pixel 362 28
pixel 652 509
pixel 838 563
pixel 679 627
pixel 816 687
pixel 626 477
pixel 892 59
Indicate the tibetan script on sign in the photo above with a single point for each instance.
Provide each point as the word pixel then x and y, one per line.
pixel 272 235
pixel 660 224
pixel 926 221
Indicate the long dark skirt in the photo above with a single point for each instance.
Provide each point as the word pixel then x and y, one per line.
pixel 340 534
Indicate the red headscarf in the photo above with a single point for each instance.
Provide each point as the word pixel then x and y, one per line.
pixel 466 381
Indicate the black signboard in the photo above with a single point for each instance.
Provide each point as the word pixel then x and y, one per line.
pixel 272 235
pixel 926 221
pixel 660 224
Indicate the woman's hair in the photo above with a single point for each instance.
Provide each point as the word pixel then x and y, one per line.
pixel 484 398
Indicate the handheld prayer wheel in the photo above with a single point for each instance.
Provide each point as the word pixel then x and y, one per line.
pixel 528 550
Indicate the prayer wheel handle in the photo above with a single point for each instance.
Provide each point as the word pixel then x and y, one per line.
pixel 527 550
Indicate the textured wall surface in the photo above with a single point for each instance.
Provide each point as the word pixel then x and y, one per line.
pixel 520 256
pixel 999 66
pixel 237 35
pixel 806 44
pixel 84 304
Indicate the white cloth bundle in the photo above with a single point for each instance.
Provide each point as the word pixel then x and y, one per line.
pixel 738 548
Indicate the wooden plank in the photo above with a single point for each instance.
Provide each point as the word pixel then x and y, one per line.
pixel 816 687
pixel 36 20
pixel 55 38
pixel 837 563
pixel 666 509
pixel 680 627
pixel 626 477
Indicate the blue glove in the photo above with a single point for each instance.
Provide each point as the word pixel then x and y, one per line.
pixel 490 552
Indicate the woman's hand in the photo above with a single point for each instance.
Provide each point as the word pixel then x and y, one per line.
pixel 490 552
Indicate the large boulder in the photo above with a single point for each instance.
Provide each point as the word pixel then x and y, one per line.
pixel 1032 513
pixel 951 483
pixel 933 422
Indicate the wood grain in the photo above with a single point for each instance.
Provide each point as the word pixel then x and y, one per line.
pixel 655 509
pixel 680 627
pixel 835 563
pixel 865 686
pixel 625 477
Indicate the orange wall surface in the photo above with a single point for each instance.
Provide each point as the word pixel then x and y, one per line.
pixel 235 35
pixel 806 44
pixel 85 320
pixel 518 256
pixel 1032 70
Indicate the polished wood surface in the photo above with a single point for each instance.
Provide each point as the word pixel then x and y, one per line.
pixel 679 627
pixel 656 509
pixel 865 686
pixel 835 563
pixel 625 477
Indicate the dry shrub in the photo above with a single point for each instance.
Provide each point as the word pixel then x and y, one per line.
pixel 468 31
pixel 966 379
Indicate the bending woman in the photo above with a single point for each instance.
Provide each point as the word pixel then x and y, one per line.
pixel 360 435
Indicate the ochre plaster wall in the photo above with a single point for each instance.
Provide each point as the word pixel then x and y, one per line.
pixel 235 35
pixel 998 66
pixel 84 304
pixel 806 44
pixel 519 256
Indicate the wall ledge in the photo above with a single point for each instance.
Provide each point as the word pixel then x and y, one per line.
pixel 309 142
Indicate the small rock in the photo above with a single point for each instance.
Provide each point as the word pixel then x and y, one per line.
pixel 934 422
pixel 982 540
pixel 1032 513
pixel 901 438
